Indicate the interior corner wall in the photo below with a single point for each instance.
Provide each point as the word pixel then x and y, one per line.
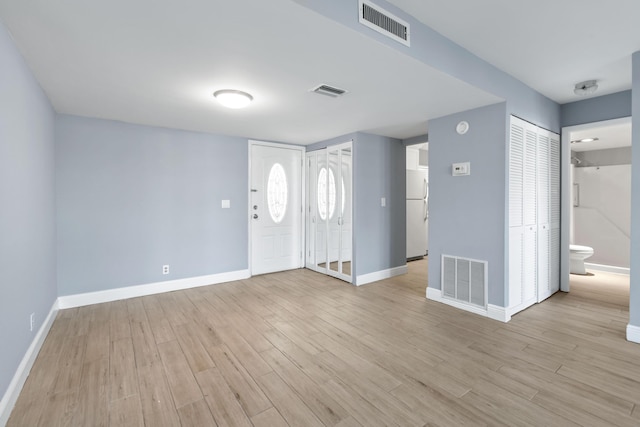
pixel 132 198
pixel 27 212
pixel 467 214
pixel 380 231
pixel 634 300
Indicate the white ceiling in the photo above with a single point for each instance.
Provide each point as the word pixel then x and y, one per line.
pixel 550 45
pixel 158 62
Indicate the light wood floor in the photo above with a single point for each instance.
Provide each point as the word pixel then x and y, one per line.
pixel 301 349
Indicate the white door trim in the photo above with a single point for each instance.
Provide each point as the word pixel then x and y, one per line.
pixel 301 226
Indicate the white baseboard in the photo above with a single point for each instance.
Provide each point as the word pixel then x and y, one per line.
pixel 381 275
pixel 493 311
pixel 607 268
pixel 89 298
pixel 633 333
pixel 498 313
pixel 15 387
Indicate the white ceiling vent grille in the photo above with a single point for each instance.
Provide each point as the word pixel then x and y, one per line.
pixel 331 91
pixel 380 20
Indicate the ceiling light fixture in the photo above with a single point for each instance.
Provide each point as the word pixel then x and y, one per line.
pixel 584 140
pixel 231 98
pixel 585 88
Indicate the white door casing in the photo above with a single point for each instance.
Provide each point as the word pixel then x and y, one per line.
pixel 275 208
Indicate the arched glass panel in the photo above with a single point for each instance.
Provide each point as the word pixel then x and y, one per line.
pixel 277 193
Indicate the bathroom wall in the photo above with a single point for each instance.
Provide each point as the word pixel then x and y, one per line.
pixel 602 219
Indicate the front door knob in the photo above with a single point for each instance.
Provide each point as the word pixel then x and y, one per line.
pixel 255 216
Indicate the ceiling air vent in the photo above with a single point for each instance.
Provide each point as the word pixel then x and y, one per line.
pixel 331 91
pixel 380 20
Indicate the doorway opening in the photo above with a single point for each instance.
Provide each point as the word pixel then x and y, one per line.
pixel 597 211
pixel 276 200
pixel 417 202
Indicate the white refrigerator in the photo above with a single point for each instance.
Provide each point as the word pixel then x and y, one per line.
pixel 417 213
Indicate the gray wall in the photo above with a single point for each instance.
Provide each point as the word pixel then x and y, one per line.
pixel 132 198
pixel 27 208
pixel 379 165
pixel 634 303
pixel 467 213
pixel 602 218
pixel 606 107
pixel 380 232
pixel 606 157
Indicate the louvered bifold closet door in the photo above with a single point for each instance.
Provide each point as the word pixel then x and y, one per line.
pixel 530 208
pixel 554 213
pixel 544 236
pixel 516 216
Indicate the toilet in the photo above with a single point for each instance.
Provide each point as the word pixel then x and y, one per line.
pixel 577 255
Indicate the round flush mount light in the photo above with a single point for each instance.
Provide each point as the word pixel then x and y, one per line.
pixel 462 127
pixel 232 98
pixel 585 88
pixel 577 141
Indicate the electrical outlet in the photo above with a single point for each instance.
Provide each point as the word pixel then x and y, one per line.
pixel 165 269
pixel 32 320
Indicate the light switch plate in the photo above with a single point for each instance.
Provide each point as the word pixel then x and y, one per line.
pixel 226 204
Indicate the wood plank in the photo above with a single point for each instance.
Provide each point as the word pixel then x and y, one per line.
pixel 196 414
pixel 269 418
pixel 59 408
pixel 321 404
pixel 122 371
pixel 126 412
pixel 600 378
pixel 222 401
pixel 241 383
pixel 93 397
pixel 292 409
pixel 182 383
pixel 197 356
pixel 157 402
pixel 144 343
pixel 69 375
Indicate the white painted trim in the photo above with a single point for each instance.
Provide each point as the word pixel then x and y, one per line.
pixel 607 268
pixel 15 387
pixel 498 313
pixel 381 275
pixel 303 195
pixel 633 333
pixel 108 295
pixel 492 311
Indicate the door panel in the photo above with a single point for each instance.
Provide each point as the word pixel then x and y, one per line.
pixel 276 209
pixel 329 196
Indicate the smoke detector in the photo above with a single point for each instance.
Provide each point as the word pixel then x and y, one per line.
pixel 585 88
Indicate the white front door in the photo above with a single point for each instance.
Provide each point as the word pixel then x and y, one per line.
pixel 275 208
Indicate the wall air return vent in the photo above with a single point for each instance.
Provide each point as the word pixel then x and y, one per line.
pixel 380 20
pixel 331 91
pixel 464 280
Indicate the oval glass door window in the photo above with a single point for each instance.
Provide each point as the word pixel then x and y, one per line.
pixel 322 193
pixel 277 193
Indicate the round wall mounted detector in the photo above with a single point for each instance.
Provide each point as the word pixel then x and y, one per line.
pixel 462 127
